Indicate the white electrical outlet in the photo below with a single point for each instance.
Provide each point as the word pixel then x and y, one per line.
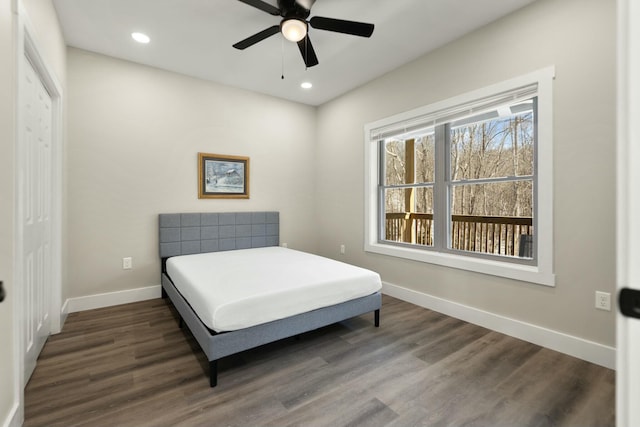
pixel 127 263
pixel 284 245
pixel 603 300
pixel 342 249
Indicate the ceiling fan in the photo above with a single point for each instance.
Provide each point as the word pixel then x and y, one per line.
pixel 294 26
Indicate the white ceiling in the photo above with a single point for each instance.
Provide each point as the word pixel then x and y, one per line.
pixel 195 37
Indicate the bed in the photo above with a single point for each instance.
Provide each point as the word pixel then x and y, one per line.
pixel 284 292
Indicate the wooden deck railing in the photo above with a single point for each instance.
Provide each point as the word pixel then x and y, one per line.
pixel 488 234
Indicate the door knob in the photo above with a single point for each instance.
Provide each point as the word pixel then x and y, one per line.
pixel 629 302
pixel 2 293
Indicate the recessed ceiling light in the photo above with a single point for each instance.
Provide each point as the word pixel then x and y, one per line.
pixel 140 38
pixel 306 85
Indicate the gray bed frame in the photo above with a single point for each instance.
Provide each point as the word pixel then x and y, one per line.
pixel 191 233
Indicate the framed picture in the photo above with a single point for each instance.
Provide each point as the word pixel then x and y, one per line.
pixel 223 177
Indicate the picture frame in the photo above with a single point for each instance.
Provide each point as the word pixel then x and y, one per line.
pixel 222 176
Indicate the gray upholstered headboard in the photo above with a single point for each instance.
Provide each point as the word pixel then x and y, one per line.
pixel 192 233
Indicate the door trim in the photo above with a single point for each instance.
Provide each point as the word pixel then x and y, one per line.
pixel 628 207
pixel 28 45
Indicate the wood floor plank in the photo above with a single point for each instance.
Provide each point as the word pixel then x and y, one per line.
pixel 131 365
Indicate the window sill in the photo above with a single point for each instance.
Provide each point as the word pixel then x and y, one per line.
pixel 525 273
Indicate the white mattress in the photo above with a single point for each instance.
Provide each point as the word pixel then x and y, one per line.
pixel 237 289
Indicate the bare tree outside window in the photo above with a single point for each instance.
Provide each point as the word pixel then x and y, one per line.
pixel 493 149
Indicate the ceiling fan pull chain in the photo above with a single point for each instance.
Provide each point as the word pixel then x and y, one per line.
pixel 282 44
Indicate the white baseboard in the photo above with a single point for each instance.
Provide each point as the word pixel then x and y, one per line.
pixel 64 312
pixel 13 416
pixel 577 347
pixel 109 299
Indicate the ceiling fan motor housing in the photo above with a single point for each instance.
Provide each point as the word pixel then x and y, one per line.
pixel 292 9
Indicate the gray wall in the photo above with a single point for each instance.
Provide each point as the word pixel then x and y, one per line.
pixel 578 37
pixel 134 135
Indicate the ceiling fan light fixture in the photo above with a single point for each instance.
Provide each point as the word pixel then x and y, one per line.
pixel 293 29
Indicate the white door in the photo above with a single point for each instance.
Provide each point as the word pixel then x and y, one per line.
pixel 36 188
pixel 628 216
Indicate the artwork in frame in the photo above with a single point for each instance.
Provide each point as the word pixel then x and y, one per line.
pixel 223 177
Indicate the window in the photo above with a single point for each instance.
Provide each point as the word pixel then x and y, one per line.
pixel 407 188
pixel 467 182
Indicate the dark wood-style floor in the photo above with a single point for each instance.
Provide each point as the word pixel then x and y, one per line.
pixel 132 366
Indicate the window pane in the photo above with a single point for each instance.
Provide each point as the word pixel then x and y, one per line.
pixel 410 160
pixel 423 200
pixel 492 218
pixel 425 158
pixel 413 225
pixel 394 162
pixel 422 219
pixel 394 200
pixel 494 148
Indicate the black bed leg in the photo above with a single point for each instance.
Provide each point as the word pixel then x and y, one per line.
pixel 376 318
pixel 181 323
pixel 164 293
pixel 213 373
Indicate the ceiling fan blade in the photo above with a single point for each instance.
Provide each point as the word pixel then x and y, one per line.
pixel 307 4
pixel 341 26
pixel 265 7
pixel 258 37
pixel 308 53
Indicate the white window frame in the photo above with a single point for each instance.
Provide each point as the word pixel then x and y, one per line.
pixel 543 272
